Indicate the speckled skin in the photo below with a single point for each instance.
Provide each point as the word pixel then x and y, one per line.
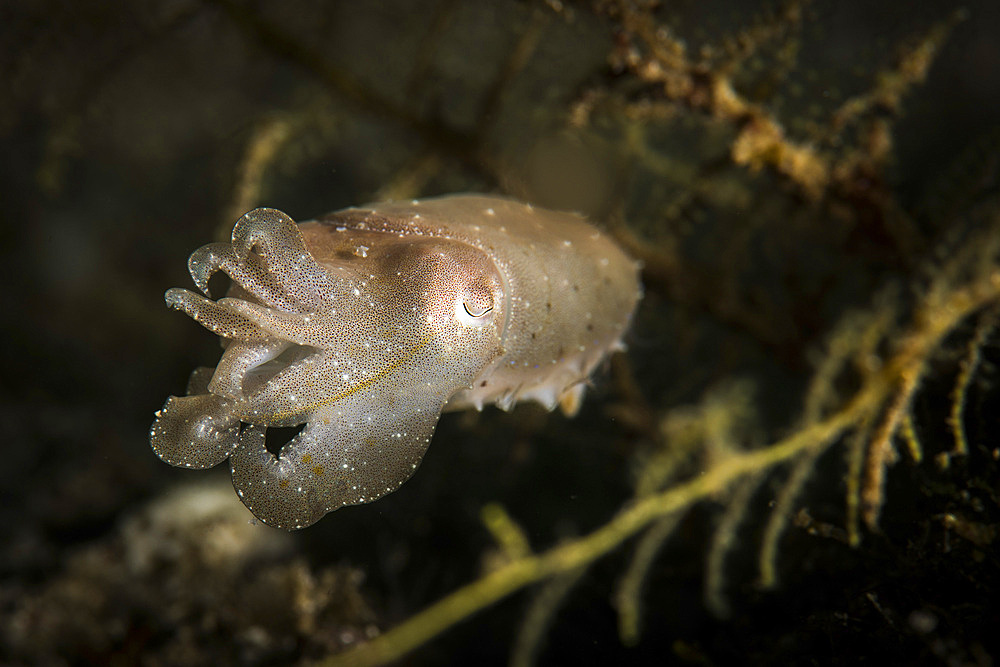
pixel 366 324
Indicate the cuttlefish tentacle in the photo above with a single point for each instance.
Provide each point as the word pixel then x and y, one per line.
pixel 198 431
pixel 207 260
pixel 292 395
pixel 278 241
pixel 347 460
pixel 237 361
pixel 249 272
pixel 317 330
pixel 215 317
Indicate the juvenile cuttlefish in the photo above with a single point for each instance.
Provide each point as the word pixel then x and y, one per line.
pixel 366 324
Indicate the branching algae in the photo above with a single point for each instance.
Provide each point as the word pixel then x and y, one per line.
pixel 366 324
pixel 866 422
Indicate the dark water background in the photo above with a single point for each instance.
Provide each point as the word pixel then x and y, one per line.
pixel 124 134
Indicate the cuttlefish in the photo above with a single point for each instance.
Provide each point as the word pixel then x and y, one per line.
pixel 364 325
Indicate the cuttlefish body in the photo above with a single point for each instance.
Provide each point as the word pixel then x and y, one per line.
pixel 364 325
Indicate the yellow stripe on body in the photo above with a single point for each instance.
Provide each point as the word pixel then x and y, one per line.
pixel 359 387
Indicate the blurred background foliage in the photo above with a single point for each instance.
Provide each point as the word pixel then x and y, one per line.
pixel 796 460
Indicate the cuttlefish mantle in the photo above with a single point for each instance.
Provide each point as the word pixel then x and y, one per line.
pixel 364 325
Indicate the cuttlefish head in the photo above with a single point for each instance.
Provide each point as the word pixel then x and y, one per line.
pixel 361 337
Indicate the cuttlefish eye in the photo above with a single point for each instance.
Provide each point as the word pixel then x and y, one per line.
pixel 474 310
pixel 473 306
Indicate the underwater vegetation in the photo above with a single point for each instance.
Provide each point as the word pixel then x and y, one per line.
pixel 795 460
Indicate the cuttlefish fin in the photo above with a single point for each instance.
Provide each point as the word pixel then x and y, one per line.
pixel 572 398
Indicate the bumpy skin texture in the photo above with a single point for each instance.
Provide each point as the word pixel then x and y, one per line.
pixel 366 324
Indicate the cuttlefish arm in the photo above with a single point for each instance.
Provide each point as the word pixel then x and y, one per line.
pixel 363 451
pixel 268 258
pixel 362 340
